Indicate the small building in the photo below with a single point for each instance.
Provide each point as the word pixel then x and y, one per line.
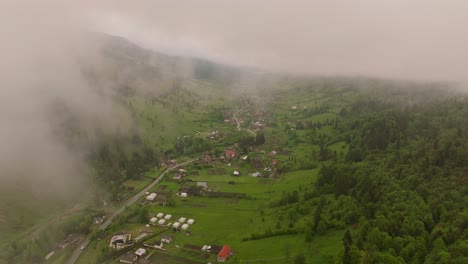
pixel 245 158
pixel 161 221
pixel 176 225
pixel 177 176
pixel 49 255
pixel 120 241
pixel 255 174
pixel 274 162
pixel 183 194
pixel 202 184
pixel 168 216
pixel 235 173
pixel 230 153
pixel 153 220
pixel 160 215
pixel 98 220
pixel 151 197
pixel 166 239
pixel 185 226
pixel 182 220
pixel 224 253
pixel 293 107
pixel 182 170
pixel 140 252
pixel 190 221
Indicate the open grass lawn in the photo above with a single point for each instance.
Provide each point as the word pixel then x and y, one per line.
pixel 220 221
pixel 62 256
pixel 292 180
pixel 322 117
pixel 159 257
pixel 137 185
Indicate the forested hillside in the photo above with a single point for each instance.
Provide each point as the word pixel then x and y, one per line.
pixel 401 189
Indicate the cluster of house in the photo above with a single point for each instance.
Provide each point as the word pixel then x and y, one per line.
pixel 168 163
pixel 214 135
pixel 161 220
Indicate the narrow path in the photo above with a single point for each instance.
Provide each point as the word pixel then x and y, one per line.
pixel 76 254
pixel 238 123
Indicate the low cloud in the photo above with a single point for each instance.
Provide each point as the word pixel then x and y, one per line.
pixel 421 39
pixel 43 45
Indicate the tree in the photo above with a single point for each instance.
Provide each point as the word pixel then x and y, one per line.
pixel 309 234
pixel 347 243
pixel 299 259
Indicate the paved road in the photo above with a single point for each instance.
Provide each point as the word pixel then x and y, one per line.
pixel 76 254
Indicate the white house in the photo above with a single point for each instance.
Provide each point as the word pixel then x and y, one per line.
pixel 153 220
pixel 160 215
pixel 184 194
pixel 236 173
pixel 176 225
pixel 168 216
pixel 184 226
pixel 151 197
pixel 140 252
pixel 161 221
pixel 255 174
pixel 190 221
pixel 182 219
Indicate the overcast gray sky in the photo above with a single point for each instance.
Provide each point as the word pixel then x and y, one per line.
pixel 41 43
pixel 417 39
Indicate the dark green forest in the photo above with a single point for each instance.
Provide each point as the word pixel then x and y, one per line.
pixel 401 189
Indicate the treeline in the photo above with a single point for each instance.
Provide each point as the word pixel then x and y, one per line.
pixel 406 173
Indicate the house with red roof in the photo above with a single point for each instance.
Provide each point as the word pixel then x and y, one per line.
pixel 230 153
pixel 224 253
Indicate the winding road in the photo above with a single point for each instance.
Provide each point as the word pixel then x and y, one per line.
pixel 238 123
pixel 76 254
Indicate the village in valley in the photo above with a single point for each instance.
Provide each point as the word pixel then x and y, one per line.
pixel 175 206
pixel 208 207
pixel 236 185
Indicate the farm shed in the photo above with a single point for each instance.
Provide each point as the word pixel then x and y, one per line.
pixel 224 253
pixel 151 197
pixel 176 225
